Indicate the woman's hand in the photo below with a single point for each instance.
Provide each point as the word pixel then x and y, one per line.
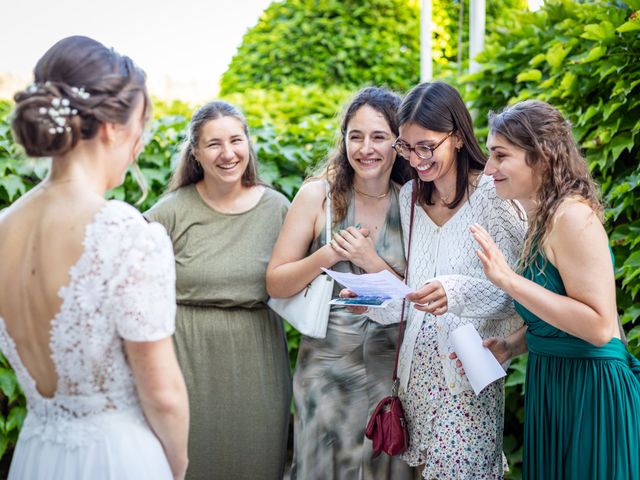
pixel 494 264
pixel 346 293
pixel 355 245
pixel 430 298
pixel 499 347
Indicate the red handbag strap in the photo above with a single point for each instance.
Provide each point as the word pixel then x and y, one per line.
pixel 414 195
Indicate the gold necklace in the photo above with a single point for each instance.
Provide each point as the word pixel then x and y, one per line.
pixel 444 198
pixel 382 195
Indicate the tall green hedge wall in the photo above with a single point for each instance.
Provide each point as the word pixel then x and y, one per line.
pixel 349 43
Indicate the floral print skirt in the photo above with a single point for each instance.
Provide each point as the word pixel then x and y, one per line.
pixel 456 437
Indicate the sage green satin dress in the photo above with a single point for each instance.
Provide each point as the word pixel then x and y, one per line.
pixel 340 379
pixel 582 403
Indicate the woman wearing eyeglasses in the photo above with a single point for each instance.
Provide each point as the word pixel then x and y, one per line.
pixel 454 434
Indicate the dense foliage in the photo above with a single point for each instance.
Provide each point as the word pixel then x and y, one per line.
pixel 348 42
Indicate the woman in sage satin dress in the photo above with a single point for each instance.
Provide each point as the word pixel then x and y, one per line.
pixel 339 379
pixel 582 401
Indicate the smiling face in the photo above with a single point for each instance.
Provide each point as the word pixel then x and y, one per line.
pixel 443 162
pixel 223 150
pixel 368 142
pixel 513 177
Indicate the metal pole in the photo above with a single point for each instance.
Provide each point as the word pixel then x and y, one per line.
pixel 426 61
pixel 477 22
pixel 460 35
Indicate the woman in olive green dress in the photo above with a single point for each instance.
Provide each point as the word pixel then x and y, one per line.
pixel 232 349
pixel 582 401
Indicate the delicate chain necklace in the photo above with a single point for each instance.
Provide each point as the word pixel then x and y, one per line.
pixel 382 195
pixel 444 198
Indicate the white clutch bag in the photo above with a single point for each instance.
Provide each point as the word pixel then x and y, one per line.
pixel 308 310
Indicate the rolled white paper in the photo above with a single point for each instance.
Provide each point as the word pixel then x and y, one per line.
pixel 479 364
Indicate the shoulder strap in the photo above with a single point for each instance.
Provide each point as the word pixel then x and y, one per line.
pixel 327 225
pixel 414 195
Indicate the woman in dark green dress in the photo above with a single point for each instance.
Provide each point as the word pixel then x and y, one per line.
pixel 582 403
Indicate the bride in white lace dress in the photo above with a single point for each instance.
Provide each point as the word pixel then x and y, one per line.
pixel 87 287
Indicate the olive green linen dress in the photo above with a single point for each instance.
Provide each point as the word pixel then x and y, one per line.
pixel 340 379
pixel 582 402
pixel 231 347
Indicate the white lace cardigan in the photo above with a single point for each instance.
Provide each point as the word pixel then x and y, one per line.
pixel 448 254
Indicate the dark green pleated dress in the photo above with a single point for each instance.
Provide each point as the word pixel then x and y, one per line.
pixel 582 403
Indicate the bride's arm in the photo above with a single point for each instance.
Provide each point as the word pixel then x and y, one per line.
pixel 163 396
pixel 143 302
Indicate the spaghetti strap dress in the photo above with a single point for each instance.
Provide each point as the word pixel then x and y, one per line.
pixel 340 379
pixel 582 402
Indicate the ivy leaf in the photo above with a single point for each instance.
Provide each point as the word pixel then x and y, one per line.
pixel 598 32
pixel 269 171
pixel 15 418
pixel 595 53
pixel 619 143
pixel 534 62
pixel 556 54
pixel 633 334
pixel 588 115
pixel 631 268
pixel 8 383
pixel 632 25
pixel 533 75
pixel 631 314
pixel 288 185
pixel 13 185
pixel 609 109
pixel 4 443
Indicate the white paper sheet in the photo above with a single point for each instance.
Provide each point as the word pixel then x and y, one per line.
pixel 383 284
pixel 479 364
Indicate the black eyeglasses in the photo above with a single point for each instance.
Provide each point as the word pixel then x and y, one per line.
pixel 424 152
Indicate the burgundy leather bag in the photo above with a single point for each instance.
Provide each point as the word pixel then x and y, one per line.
pixel 387 428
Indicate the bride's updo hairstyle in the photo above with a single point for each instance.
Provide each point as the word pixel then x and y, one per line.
pixel 78 85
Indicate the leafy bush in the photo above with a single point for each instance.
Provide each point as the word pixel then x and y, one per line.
pixel 13 406
pixel 350 43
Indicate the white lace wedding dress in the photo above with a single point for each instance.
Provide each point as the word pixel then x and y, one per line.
pixel 122 287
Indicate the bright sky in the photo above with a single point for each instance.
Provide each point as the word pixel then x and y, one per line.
pixel 183 45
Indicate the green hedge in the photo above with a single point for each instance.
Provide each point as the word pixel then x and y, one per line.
pixel 350 43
